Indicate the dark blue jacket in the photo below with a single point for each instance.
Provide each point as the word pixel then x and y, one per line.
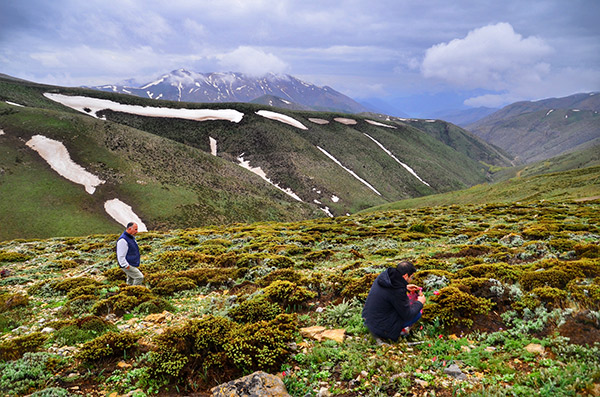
pixel 388 308
pixel 133 251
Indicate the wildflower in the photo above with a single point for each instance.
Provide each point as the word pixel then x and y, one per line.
pixel 436 292
pixel 434 359
pixel 441 336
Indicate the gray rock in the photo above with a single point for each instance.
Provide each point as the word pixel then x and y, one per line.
pixel 257 384
pixel 454 371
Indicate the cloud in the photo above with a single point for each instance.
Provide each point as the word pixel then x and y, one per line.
pixel 251 61
pixel 493 57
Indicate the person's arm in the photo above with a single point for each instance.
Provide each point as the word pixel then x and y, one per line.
pixel 122 249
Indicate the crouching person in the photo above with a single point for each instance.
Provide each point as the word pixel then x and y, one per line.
pixel 389 311
pixel 128 255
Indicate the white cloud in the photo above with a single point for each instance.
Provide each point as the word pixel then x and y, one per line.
pixel 493 57
pixel 251 61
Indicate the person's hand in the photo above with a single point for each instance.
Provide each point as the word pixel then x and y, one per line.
pixel 412 288
pixel 422 298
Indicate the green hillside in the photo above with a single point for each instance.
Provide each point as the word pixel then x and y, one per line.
pixel 575 184
pixel 162 166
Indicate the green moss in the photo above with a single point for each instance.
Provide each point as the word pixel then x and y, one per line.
pixel 318 256
pixel 181 260
pixel 549 296
pixel 280 274
pixel 124 301
pixel 359 287
pixel 69 284
pixel 168 286
pixel 587 250
pixel 9 256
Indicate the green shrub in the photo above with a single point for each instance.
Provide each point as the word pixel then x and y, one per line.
pixel 545 278
pixel 587 250
pixel 279 261
pixel 115 274
pixel 318 256
pixel 9 301
pixel 287 293
pixel 585 293
pixel 280 274
pixel 359 287
pixel 454 306
pixel 549 296
pixel 79 305
pixel 261 345
pixel 167 286
pixel 126 300
pixel 253 310
pixel 109 345
pixel 181 260
pixel 69 284
pixel 82 330
pixel 13 349
pixel 8 256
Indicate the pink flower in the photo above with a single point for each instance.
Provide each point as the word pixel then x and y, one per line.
pixel 429 345
pixel 422 327
pixel 436 292
pixel 441 336
pixel 433 359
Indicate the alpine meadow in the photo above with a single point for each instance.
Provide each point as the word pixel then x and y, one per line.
pixel 266 223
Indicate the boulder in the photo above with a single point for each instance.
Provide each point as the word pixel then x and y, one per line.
pixel 257 384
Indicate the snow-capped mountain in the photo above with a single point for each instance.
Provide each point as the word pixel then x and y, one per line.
pixel 185 86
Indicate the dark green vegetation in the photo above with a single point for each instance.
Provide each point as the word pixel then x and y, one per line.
pixel 162 167
pixel 513 301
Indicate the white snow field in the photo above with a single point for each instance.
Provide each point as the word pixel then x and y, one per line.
pixel 345 121
pixel 56 154
pixel 123 213
pixel 94 105
pixel 282 118
pixel 213 145
pixel 318 121
pixel 398 161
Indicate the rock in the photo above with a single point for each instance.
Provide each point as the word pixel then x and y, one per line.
pixel 323 392
pixel 422 383
pixel 48 330
pixel 312 332
pixel 158 317
pixel 455 372
pixel 123 364
pixel 319 333
pixel 337 335
pixel 535 348
pixel 257 384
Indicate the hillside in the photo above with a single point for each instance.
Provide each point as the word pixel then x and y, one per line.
pixel 540 184
pixel 534 131
pixel 512 306
pixel 185 165
pixel 186 86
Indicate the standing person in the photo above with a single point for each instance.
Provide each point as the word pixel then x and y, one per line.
pixel 388 311
pixel 128 255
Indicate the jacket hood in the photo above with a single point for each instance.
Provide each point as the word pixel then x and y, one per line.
pixel 391 278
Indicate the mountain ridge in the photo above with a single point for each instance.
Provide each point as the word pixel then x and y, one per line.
pixel 185 86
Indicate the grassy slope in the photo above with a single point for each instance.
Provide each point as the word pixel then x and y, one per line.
pixel 567 185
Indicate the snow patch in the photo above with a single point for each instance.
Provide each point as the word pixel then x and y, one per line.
pixel 1 132
pixel 335 198
pixel 318 121
pixel 345 121
pixel 91 106
pixel 326 210
pixel 14 104
pixel 576 110
pixel 213 146
pixel 398 161
pixel 379 124
pixel 348 170
pixel 258 171
pixel 57 156
pixel 123 213
pixel 282 118
pixel 550 111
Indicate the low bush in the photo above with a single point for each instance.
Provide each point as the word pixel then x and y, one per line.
pixel 453 306
pixel 30 373
pixel 14 349
pixel 109 345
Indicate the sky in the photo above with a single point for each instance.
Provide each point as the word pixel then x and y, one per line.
pixel 415 56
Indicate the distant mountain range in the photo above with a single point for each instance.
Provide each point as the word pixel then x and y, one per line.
pixel 536 130
pixel 185 86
